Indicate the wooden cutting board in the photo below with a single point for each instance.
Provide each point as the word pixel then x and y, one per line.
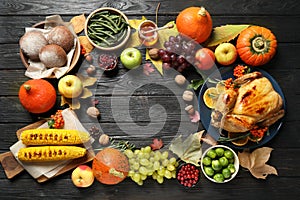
pixel 12 167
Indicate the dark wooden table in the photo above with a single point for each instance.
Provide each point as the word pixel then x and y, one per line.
pixel 281 16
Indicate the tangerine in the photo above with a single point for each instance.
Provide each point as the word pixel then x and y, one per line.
pixel 210 97
pixel 238 142
pixel 37 96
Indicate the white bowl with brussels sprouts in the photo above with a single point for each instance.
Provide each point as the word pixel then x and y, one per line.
pixel 219 164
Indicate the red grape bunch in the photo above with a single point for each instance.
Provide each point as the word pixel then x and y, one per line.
pixel 179 53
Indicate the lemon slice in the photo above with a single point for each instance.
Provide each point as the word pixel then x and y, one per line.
pixel 220 87
pixel 210 97
pixel 239 142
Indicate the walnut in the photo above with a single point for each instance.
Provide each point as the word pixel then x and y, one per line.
pixel 104 139
pixel 93 112
pixel 153 53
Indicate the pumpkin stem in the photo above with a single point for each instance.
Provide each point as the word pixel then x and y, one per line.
pixel 259 44
pixel 27 87
pixel 202 12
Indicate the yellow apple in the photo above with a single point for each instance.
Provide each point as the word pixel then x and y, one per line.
pixel 82 176
pixel 70 86
pixel 225 53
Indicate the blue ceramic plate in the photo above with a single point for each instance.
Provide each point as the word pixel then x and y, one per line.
pixel 205 112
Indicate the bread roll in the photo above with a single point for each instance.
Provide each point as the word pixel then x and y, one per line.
pixel 61 36
pixel 53 55
pixel 31 43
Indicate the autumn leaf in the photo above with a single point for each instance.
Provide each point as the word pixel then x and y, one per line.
pixel 74 104
pixel 86 93
pixel 78 23
pixel 225 34
pixel 166 33
pixel 87 80
pixel 255 162
pixel 134 23
pixel 156 63
pixel 188 150
pixel 156 144
pixel 84 41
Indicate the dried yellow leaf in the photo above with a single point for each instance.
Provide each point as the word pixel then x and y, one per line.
pixel 156 63
pixel 255 162
pixel 78 23
pixel 134 23
pixel 85 43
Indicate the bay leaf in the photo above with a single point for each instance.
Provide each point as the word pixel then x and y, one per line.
pixel 225 34
pixel 188 150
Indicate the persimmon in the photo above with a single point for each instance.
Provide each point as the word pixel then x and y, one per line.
pixel 37 96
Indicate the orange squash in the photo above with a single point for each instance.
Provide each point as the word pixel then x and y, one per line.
pixel 195 22
pixel 37 96
pixel 110 166
pixel 256 45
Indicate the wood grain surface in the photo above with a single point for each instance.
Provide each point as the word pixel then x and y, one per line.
pixel 281 16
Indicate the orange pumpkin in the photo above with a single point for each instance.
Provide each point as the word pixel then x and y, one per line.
pixel 110 166
pixel 195 22
pixel 37 96
pixel 256 45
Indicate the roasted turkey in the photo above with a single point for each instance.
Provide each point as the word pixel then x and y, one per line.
pixel 254 103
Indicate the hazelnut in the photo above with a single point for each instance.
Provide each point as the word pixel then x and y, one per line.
pixel 88 57
pixel 153 53
pixel 104 139
pixel 91 70
pixel 190 109
pixel 188 95
pixel 180 79
pixel 93 112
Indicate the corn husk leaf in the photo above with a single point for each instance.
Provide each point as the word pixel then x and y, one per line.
pixel 255 162
pixel 157 63
pixel 188 150
pixel 225 33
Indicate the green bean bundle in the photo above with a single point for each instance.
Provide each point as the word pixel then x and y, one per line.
pixel 107 29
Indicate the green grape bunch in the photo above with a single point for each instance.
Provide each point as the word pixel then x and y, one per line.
pixel 144 163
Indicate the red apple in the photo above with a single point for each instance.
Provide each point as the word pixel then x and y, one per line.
pixel 83 176
pixel 226 53
pixel 204 59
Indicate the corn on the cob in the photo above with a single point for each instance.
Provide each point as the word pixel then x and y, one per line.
pixel 50 153
pixel 53 137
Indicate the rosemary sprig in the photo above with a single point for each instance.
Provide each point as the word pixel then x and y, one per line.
pixel 120 145
pixel 226 139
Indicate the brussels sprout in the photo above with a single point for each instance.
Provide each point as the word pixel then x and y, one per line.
pixel 226 173
pixel 206 161
pixel 224 161
pixel 211 153
pixel 231 160
pixel 231 168
pixel 219 177
pixel 228 154
pixel 209 171
pixel 219 151
pixel 216 165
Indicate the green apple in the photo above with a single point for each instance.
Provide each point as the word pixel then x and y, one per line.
pixel 225 53
pixel 70 86
pixel 131 58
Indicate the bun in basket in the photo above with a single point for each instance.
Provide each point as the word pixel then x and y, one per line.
pixel 53 55
pixel 61 36
pixel 31 43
